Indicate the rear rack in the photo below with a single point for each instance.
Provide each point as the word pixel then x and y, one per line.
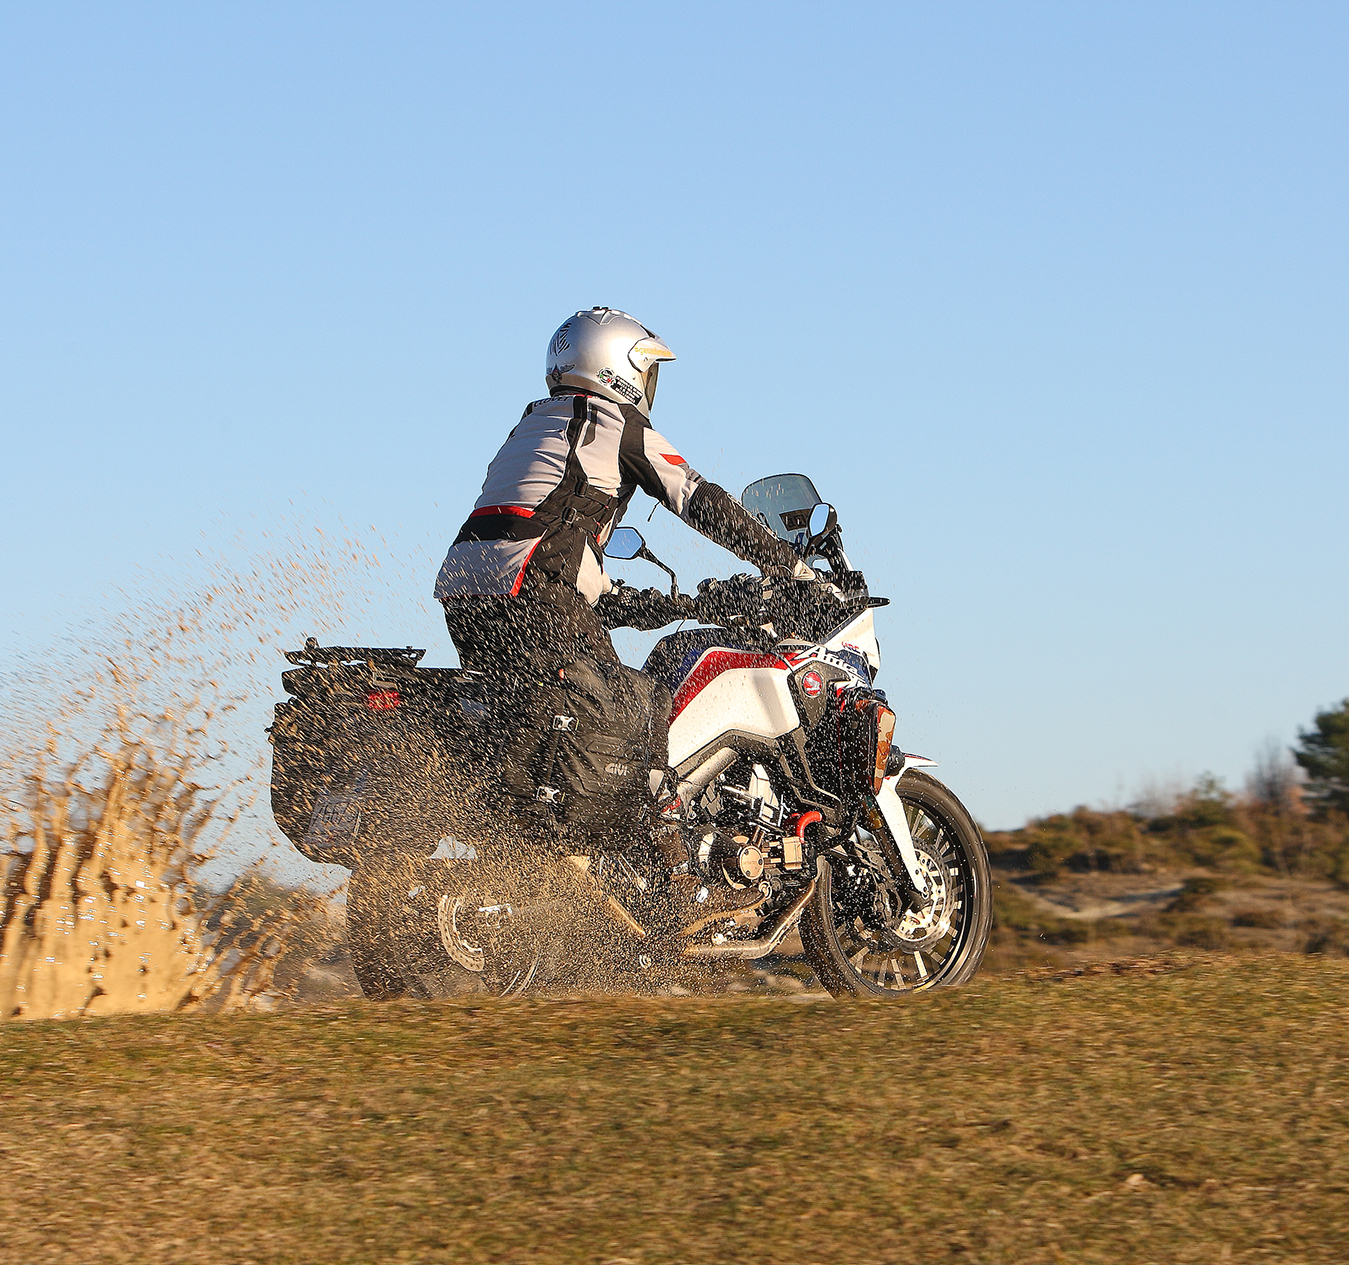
pixel 314 654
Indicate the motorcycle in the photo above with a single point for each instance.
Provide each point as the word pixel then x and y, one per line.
pixel 788 788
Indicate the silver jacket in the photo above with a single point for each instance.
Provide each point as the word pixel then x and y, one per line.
pixel 559 485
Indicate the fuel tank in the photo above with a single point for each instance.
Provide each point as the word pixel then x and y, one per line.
pixel 721 682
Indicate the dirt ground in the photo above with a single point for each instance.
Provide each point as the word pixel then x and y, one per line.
pixel 1187 1108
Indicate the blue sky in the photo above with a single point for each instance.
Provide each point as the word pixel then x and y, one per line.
pixel 1049 299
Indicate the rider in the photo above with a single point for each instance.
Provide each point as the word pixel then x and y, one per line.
pixel 521 580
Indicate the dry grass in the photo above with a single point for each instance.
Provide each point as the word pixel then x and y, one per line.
pixel 1197 1110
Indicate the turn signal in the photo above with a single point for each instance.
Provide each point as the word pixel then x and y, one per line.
pixel 387 700
pixel 885 735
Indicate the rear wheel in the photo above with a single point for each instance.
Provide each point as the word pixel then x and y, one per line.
pixel 864 931
pixel 372 916
pixel 469 935
pixel 434 928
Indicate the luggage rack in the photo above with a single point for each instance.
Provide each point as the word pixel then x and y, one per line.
pixel 314 654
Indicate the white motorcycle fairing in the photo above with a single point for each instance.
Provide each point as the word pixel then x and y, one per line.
pixel 726 684
pixel 728 688
pixel 859 636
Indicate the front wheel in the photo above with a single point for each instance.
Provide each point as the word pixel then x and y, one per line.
pixel 865 933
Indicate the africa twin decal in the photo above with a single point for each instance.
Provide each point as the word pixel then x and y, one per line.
pixel 851 660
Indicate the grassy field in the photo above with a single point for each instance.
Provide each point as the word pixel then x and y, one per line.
pixel 1188 1110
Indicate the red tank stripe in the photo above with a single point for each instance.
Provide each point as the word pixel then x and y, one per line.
pixel 503 509
pixel 711 666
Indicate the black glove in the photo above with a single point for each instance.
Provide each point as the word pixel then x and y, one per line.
pixel 643 609
pixel 739 596
pixel 806 608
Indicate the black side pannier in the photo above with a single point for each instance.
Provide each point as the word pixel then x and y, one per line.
pixel 587 743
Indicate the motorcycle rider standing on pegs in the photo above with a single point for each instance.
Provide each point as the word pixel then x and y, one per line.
pixel 521 582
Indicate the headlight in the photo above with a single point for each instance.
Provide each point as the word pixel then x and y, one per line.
pixel 872 731
pixel 885 735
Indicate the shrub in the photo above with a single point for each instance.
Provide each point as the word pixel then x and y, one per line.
pixel 1224 848
pixel 1205 827
pixel 1201 933
pixel 1273 782
pixel 1013 912
pixel 1194 891
pixel 1326 935
pixel 1207 804
pixel 1268 919
pixel 1295 845
pixel 1083 840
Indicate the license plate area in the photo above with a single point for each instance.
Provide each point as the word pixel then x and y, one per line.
pixel 336 819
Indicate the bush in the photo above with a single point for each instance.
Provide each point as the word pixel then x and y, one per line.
pixel 1266 919
pixel 1194 891
pixel 1016 914
pixel 1224 848
pixel 1083 840
pixel 1295 845
pixel 1207 827
pixel 1327 935
pixel 1274 781
pixel 1201 933
pixel 1206 805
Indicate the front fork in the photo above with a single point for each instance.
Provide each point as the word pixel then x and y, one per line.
pixel 891 810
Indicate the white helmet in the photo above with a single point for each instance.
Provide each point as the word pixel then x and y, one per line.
pixel 608 352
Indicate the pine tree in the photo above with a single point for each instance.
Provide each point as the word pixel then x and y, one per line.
pixel 1323 754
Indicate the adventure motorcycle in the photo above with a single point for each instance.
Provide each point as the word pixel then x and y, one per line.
pixel 789 790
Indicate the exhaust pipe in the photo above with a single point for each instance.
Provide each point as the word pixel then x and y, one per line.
pixel 748 950
pixel 705 772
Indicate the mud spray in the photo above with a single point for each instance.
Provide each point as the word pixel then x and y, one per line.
pixel 101 912
pixel 134 834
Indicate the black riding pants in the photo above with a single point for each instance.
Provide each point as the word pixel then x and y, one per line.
pixel 524 642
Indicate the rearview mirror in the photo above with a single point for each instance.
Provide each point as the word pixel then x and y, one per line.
pixel 627 542
pixel 823 520
pixel 624 544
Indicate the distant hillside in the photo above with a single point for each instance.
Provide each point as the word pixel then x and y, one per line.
pixel 1211 870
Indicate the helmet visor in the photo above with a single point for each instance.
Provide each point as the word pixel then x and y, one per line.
pixel 645 356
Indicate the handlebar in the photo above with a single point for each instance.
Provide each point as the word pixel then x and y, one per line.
pixel 739 600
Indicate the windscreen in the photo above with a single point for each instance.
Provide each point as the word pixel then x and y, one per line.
pixel 783 502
